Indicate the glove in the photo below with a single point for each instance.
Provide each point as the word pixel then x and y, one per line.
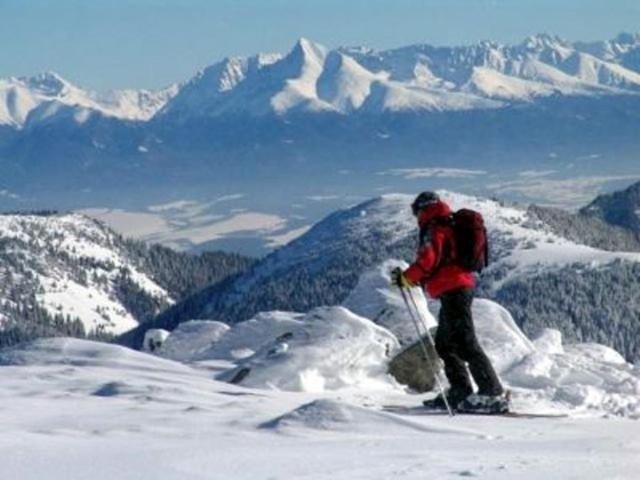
pixel 398 279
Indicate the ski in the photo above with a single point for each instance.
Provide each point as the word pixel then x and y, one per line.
pixel 403 410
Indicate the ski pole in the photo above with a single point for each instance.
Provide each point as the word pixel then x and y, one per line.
pixel 416 324
pixel 433 345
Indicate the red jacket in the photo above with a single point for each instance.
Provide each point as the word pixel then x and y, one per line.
pixel 434 267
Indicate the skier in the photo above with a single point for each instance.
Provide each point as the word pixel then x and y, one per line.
pixel 443 278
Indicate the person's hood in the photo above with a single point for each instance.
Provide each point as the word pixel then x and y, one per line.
pixel 433 212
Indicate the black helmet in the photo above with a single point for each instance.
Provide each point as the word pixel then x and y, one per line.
pixel 423 200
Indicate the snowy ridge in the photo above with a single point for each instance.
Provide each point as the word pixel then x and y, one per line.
pixel 310 78
pixel 520 245
pixel 420 77
pixel 527 246
pixel 387 216
pixel 45 97
pixel 73 267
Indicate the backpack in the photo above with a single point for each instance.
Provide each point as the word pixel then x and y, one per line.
pixel 471 240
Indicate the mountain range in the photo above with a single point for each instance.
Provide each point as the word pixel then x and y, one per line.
pixel 311 78
pixel 512 120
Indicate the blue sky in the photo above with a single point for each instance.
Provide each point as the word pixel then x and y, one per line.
pixel 150 43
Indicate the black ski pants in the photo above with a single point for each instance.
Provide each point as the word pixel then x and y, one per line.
pixel 457 345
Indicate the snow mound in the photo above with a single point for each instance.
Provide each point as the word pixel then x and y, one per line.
pixel 327 415
pixel 81 353
pixel 374 298
pixel 348 348
pixel 583 377
pixel 154 339
pixel 246 338
pixel 544 374
pixel 190 340
pixel 323 414
pixel 549 341
pixel 327 349
pixel 499 335
pixel 596 353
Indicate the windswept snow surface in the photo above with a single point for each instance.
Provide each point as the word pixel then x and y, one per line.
pixel 191 339
pixel 334 348
pixel 311 404
pixel 74 409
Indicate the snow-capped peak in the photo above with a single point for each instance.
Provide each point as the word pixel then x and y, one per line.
pixel 544 40
pixel 309 49
pixel 311 78
pixel 47 83
pixel 47 95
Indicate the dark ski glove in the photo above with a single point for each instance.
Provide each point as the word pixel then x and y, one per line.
pixel 398 279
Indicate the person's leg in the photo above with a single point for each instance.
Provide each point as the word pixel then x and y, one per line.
pixel 447 348
pixel 469 348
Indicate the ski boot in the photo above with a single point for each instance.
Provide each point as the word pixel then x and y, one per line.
pixel 438 402
pixel 485 404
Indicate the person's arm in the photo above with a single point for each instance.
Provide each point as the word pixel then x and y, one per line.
pixel 428 260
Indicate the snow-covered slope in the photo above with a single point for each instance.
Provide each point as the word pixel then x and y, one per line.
pixel 323 265
pixel 63 400
pixel 310 387
pixel 72 268
pixel 43 97
pixel 334 349
pixel 521 245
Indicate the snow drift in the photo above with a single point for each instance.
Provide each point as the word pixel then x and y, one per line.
pixel 63 400
pixel 350 346
pixel 331 348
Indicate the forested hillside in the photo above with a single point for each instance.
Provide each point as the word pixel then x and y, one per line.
pixel 65 274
